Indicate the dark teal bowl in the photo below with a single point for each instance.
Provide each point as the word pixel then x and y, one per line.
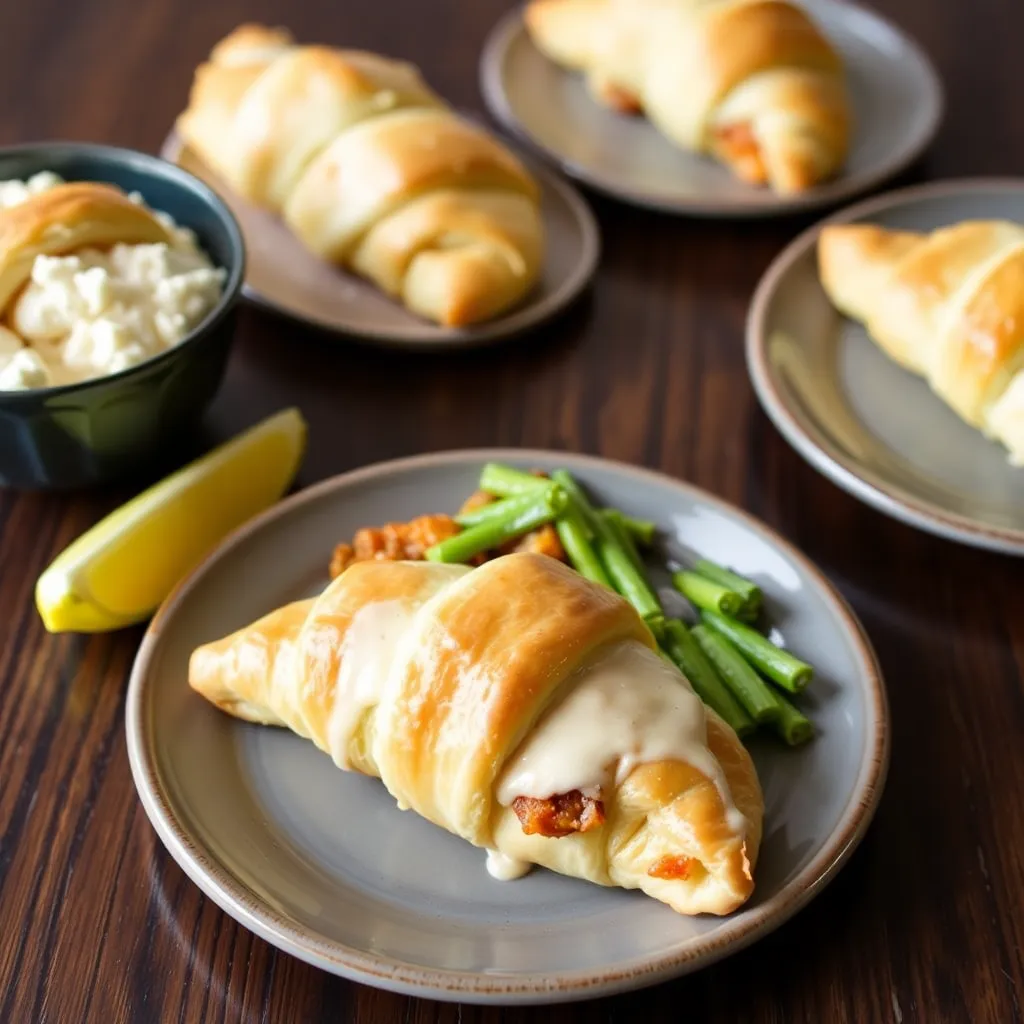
pixel 90 433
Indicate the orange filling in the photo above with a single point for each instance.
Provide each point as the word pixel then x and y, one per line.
pixel 737 146
pixel 672 867
pixel 559 815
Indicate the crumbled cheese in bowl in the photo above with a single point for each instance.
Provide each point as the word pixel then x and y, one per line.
pixel 96 312
pixel 14 192
pixel 20 367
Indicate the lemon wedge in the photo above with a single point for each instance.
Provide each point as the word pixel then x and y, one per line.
pixel 119 571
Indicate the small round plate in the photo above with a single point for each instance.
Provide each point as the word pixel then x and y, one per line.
pixel 283 275
pixel 897 100
pixel 875 429
pixel 323 865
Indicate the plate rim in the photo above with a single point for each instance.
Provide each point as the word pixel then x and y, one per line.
pixel 514 323
pixel 488 988
pixel 892 501
pixel 841 189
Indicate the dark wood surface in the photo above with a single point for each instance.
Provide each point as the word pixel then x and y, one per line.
pixel 97 923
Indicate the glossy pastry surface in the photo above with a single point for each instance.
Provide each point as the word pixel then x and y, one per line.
pixel 753 83
pixel 948 305
pixel 516 705
pixel 371 170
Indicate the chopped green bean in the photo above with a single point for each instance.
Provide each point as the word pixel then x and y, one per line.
pixel 792 724
pixel 517 520
pixel 746 685
pixel 504 481
pixel 641 530
pixel 705 593
pixel 749 592
pixel 573 535
pixel 778 665
pixel 627 578
pixel 694 664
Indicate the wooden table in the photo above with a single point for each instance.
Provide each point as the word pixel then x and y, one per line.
pixel 97 922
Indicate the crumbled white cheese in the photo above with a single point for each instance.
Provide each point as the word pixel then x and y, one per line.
pixel 23 370
pixel 14 192
pixel 97 312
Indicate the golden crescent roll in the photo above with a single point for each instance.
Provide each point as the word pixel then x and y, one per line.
pixel 516 705
pixel 751 82
pixel 64 219
pixel 948 305
pixel 371 170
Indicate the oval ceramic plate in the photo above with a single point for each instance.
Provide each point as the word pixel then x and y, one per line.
pixel 897 100
pixel 322 864
pixel 283 275
pixel 874 428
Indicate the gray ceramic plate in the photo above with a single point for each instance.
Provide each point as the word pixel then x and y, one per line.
pixel 875 429
pixel 283 275
pixel 897 99
pixel 322 864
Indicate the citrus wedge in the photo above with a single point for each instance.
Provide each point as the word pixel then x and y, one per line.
pixel 119 571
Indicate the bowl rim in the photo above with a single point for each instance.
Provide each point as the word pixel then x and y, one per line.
pixel 153 166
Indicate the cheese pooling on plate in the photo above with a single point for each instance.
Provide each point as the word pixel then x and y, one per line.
pixel 95 312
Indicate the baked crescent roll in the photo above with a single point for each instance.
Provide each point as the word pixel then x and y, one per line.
pixel 371 170
pixel 64 219
pixel 516 705
pixel 948 306
pixel 751 82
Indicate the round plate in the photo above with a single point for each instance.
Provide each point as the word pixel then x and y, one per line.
pixel 874 428
pixel 283 275
pixel 897 99
pixel 322 864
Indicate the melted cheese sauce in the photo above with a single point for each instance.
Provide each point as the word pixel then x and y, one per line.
pixel 627 707
pixel 367 654
pixel 505 868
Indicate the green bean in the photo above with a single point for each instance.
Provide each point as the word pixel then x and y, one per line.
pixel 616 521
pixel 573 535
pixel 504 481
pixel 778 665
pixel 749 592
pixel 687 655
pixel 627 578
pixel 536 510
pixel 792 724
pixel 746 685
pixel 641 530
pixel 705 593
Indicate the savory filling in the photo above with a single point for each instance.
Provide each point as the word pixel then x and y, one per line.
pixel 673 867
pixel 617 97
pixel 399 542
pixel 393 542
pixel 558 815
pixel 738 147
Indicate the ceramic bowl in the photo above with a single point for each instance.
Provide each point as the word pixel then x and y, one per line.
pixel 91 432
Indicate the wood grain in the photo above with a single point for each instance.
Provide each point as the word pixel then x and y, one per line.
pixel 97 923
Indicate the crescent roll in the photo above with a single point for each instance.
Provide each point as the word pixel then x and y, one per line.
pixel 516 705
pixel 948 306
pixel 371 170
pixel 751 82
pixel 64 219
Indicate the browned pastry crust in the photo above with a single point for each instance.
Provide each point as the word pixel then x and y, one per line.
pixel 371 170
pixel 752 82
pixel 479 659
pixel 64 219
pixel 948 305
